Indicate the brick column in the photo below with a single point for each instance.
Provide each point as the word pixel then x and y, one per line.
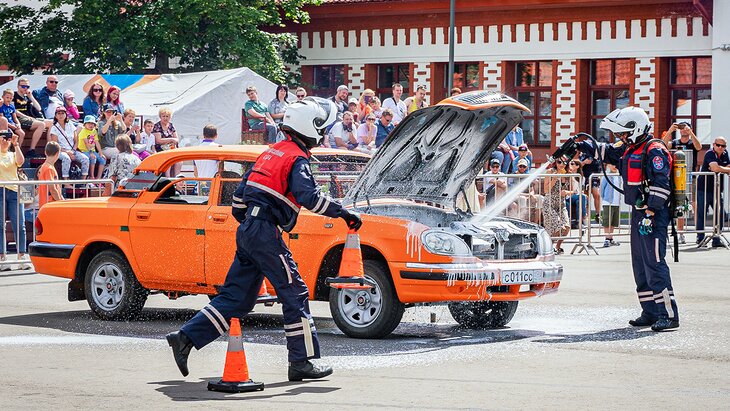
pixel 492 74
pixel 356 79
pixel 421 75
pixel 565 98
pixel 644 86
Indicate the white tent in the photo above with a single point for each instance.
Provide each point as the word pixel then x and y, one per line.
pixel 196 99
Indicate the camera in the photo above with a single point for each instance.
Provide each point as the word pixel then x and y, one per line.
pixel 6 135
pixel 115 112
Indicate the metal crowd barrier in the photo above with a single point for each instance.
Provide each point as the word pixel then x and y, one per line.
pixel 528 205
pixel 27 207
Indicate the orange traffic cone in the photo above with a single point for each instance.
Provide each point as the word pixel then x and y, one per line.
pixel 352 274
pixel 235 374
pixel 263 291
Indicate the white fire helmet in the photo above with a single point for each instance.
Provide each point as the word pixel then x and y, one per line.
pixel 629 123
pixel 308 119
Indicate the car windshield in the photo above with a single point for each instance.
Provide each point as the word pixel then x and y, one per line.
pixel 335 174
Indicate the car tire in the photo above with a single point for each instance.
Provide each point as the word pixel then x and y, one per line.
pixel 372 313
pixel 483 314
pixel 111 288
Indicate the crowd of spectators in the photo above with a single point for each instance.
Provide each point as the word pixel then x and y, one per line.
pixel 104 139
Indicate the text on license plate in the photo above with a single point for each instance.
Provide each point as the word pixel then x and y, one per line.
pixel 522 276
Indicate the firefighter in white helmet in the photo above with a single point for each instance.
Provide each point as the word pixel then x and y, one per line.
pixel 266 203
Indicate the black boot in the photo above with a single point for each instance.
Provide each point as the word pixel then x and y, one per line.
pixel 306 370
pixel 643 321
pixel 181 346
pixel 663 324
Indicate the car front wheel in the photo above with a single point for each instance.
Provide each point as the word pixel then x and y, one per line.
pixel 112 290
pixel 483 314
pixel 371 313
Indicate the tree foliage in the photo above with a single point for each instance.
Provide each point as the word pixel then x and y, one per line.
pixel 125 36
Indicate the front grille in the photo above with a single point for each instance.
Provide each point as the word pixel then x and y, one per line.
pixel 517 247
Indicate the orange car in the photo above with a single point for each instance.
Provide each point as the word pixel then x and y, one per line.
pixel 176 236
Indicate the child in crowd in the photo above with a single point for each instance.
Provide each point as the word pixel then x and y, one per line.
pixel 71 109
pixel 9 112
pixel 47 172
pixel 89 145
pixel 611 202
pixel 148 139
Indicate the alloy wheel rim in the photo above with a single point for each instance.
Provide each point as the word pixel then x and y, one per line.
pixel 107 284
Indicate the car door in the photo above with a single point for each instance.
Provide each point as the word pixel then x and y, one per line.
pixel 167 231
pixel 220 225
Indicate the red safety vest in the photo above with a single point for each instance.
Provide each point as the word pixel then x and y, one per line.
pixel 271 171
pixel 636 167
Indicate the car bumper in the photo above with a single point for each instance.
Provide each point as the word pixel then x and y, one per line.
pixel 54 259
pixel 503 281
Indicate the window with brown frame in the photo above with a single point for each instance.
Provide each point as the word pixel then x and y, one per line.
pixel 327 79
pixel 389 74
pixel 466 77
pixel 690 80
pixel 609 89
pixel 533 87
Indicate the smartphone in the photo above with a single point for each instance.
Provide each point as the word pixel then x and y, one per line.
pixel 681 126
pixel 136 121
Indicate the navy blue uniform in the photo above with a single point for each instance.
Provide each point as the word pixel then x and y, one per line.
pixel 266 203
pixel 706 193
pixel 651 272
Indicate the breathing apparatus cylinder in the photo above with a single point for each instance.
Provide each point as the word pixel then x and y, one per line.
pixel 679 176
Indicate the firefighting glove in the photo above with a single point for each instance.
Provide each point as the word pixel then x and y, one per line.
pixel 351 218
pixel 646 225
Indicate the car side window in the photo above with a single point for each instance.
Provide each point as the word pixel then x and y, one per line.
pixel 230 178
pixel 192 191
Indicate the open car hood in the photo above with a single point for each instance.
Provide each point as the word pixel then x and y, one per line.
pixel 437 151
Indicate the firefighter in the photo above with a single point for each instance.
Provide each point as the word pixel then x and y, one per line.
pixel 645 166
pixel 266 203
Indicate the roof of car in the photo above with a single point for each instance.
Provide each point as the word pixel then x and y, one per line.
pixel 162 160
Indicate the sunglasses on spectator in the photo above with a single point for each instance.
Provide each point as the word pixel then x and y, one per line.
pixel 370 119
pixel 53 81
pixel 97 90
pixel 300 96
pixel 721 145
pixel 521 166
pixel 24 86
pixel 497 165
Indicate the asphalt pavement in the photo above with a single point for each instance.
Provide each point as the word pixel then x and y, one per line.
pixel 570 350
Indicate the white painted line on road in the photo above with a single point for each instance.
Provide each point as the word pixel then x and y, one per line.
pixel 70 340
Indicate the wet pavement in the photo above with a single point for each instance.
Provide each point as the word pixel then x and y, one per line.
pixel 573 349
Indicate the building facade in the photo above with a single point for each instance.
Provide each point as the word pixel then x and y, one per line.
pixel 571 62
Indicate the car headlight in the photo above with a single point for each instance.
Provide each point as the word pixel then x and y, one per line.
pixel 443 243
pixel 544 243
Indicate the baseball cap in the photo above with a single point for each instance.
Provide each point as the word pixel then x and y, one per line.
pixel 107 107
pixel 352 100
pixel 494 161
pixel 522 162
pixel 523 147
pixel 89 119
pixel 60 108
pixel 342 87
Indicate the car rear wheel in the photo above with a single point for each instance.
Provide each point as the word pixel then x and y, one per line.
pixel 112 290
pixel 483 314
pixel 372 313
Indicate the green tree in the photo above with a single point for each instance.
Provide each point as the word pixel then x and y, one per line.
pixel 124 36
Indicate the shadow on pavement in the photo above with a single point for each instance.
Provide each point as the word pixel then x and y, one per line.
pixel 155 323
pixel 617 334
pixel 180 390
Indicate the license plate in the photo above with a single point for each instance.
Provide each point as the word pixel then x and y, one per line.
pixel 522 276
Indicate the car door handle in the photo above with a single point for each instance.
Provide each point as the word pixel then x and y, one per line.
pixel 143 215
pixel 219 217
